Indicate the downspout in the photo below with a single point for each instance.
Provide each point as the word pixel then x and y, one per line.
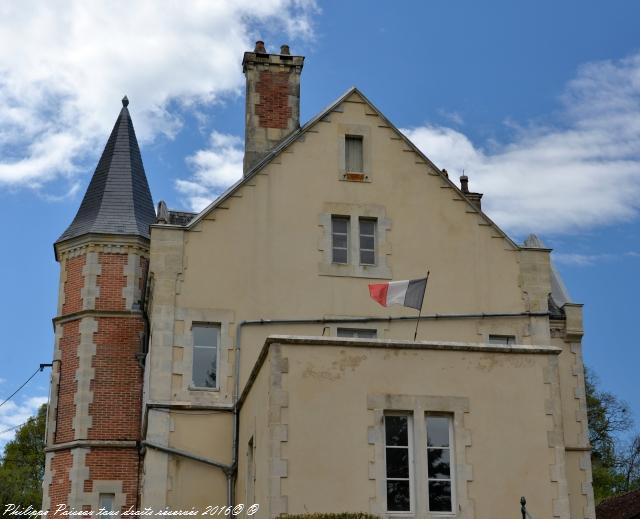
pixel 241 324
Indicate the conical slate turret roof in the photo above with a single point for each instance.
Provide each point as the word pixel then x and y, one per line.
pixel 118 200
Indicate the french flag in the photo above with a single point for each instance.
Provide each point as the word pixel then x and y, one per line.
pixel 409 292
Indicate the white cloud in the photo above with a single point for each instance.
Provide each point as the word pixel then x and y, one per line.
pixel 70 63
pixel 588 260
pixel 13 414
pixel 215 168
pixel 582 173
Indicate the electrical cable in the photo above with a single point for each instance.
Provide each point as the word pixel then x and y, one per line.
pixel 24 384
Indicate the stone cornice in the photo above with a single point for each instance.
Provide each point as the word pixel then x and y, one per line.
pixel 95 313
pixel 76 444
pixel 94 241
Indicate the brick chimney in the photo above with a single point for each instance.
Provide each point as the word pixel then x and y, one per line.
pixel 272 100
pixel 474 198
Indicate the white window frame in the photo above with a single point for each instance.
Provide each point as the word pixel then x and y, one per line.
pixel 355 331
pixel 452 471
pixel 375 240
pixel 347 219
pixel 412 478
pixel 218 327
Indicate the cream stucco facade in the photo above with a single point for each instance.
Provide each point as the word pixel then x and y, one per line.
pixel 301 428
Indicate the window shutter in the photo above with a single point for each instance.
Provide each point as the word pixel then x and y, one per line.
pixel 353 153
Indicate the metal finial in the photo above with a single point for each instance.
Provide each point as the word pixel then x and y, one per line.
pixel 125 101
pixel 523 507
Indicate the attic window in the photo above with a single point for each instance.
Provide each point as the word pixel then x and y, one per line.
pixel 353 153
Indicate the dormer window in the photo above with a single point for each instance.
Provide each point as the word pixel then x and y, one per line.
pixel 353 153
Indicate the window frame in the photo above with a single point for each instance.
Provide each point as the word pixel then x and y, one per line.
pixel 218 327
pixel 412 475
pixel 107 495
pixel 497 339
pixel 374 221
pixel 355 331
pixel 347 219
pixel 452 472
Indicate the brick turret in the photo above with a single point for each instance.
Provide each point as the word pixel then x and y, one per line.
pixel 93 426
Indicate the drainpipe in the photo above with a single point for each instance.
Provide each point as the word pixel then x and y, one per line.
pixel 241 324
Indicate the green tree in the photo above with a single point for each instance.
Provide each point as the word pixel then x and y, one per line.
pixel 615 466
pixel 22 464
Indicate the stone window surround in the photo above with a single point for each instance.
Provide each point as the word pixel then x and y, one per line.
pixel 184 340
pixel 519 330
pixel 418 406
pixel 381 269
pixel 380 327
pixel 106 487
pixel 359 130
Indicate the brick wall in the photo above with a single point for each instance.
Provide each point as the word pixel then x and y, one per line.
pixel 273 109
pixel 66 411
pixel 114 464
pixel 74 282
pixel 111 281
pixel 60 484
pixel 117 386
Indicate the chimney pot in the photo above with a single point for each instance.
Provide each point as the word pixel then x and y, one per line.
pixel 464 183
pixel 284 49
pixel 260 49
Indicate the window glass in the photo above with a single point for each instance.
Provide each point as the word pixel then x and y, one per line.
pixel 353 153
pixel 439 477
pixel 367 241
pixel 502 339
pixel 360 333
pixel 106 502
pixel 205 355
pixel 398 463
pixel 340 239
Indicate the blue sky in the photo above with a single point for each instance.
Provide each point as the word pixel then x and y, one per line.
pixel 539 102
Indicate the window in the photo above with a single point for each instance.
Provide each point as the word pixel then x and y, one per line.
pixel 367 241
pixel 506 340
pixel 106 502
pixel 398 440
pixel 358 333
pixel 205 354
pixel 353 153
pixel 340 239
pixel 439 478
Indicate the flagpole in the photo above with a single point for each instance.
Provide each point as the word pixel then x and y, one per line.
pixel 415 335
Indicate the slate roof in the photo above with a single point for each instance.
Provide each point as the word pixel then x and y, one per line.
pixel 118 200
